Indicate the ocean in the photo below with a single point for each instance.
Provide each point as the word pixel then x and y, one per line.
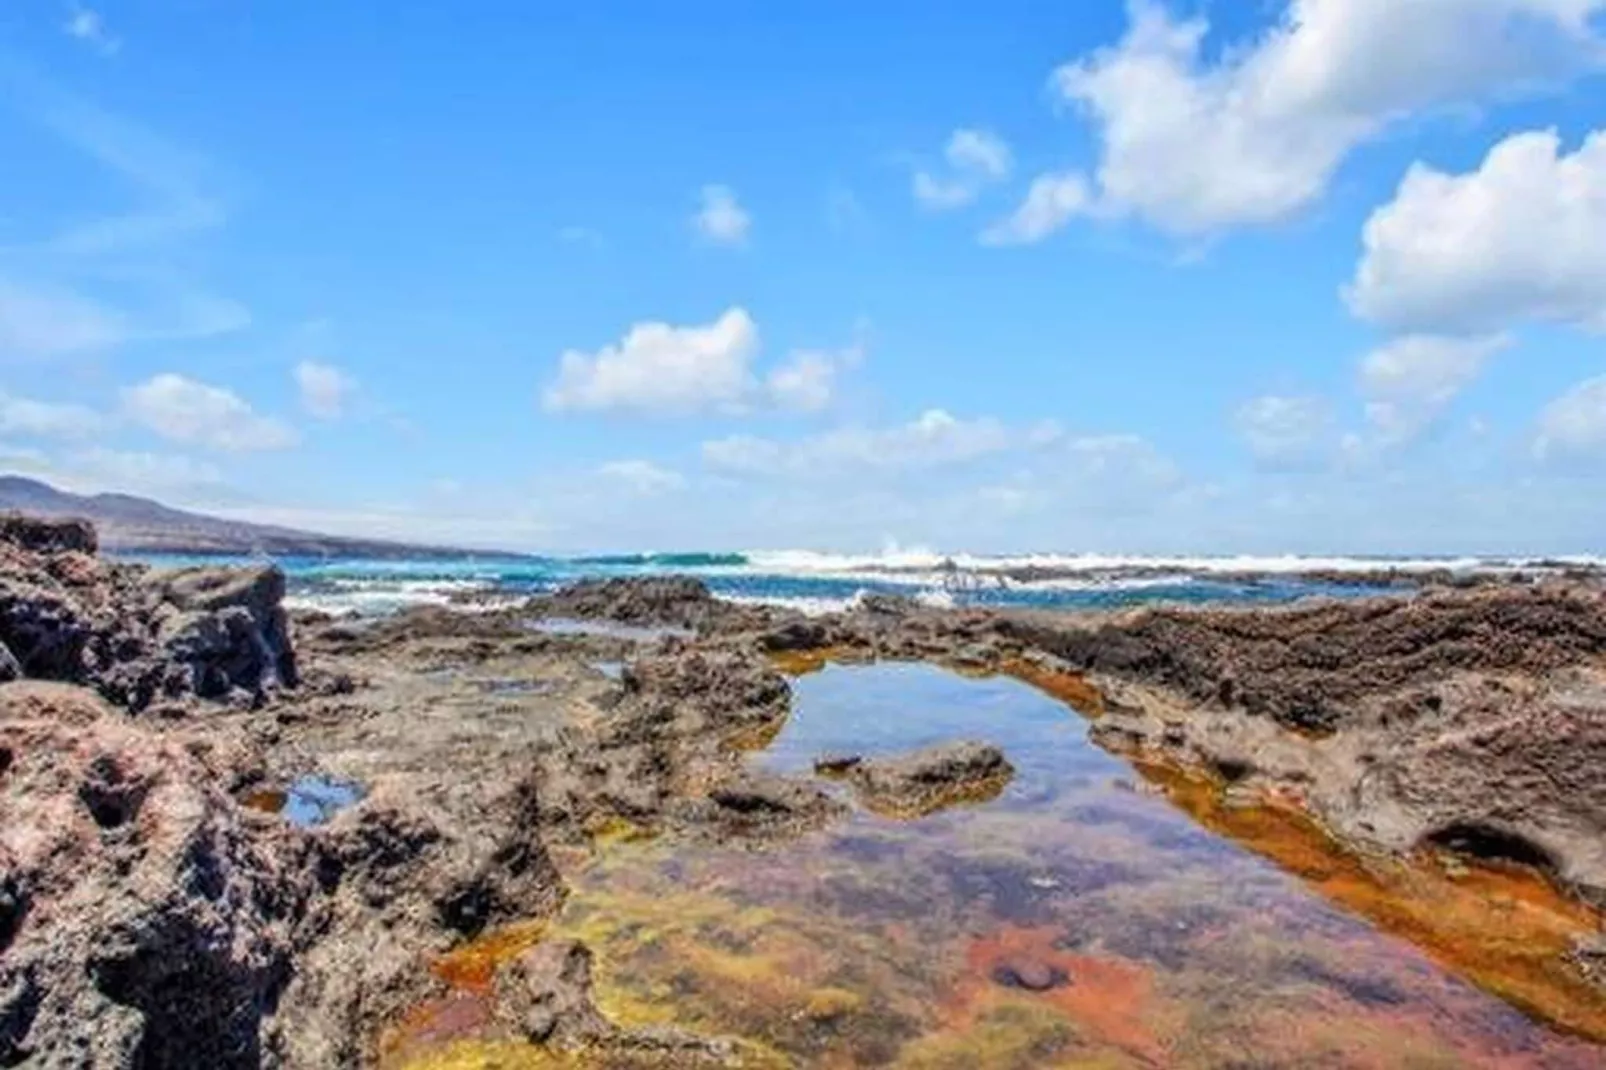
pixel 818 582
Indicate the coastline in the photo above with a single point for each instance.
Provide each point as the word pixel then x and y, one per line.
pixel 1464 723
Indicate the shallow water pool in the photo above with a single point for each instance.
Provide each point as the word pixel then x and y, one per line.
pixel 1082 918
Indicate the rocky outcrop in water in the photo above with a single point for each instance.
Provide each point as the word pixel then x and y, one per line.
pixel 913 785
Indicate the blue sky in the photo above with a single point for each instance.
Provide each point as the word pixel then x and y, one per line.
pixel 1324 276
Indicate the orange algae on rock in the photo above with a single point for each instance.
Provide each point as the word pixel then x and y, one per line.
pixel 1107 1003
pixel 472 966
pixel 1503 927
pixel 1071 688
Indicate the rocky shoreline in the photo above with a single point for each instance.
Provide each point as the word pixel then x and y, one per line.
pixel 160 905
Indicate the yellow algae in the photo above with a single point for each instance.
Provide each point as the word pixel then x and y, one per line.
pixel 611 829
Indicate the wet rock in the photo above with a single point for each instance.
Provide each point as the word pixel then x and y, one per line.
pixel 48 535
pixel 143 921
pixel 1589 954
pixel 796 635
pixel 231 629
pixel 837 765
pixel 751 805
pixel 677 601
pixel 928 780
pixel 1031 975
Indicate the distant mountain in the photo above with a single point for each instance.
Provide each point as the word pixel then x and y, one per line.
pixel 138 525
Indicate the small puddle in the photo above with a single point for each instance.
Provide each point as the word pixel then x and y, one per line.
pixel 1068 921
pixel 308 801
pixel 605 629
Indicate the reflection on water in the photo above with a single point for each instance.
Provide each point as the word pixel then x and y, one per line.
pixel 1079 919
pixel 309 800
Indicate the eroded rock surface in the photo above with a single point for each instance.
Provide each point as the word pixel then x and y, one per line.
pixel 138 637
pixel 143 921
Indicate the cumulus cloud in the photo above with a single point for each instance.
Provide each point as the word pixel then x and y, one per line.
pixel 1195 145
pixel 1523 237
pixel 660 368
pixel 1284 431
pixel 1051 202
pixel 1409 382
pixel 974 158
pixel 643 477
pixel 24 416
pixel 721 219
pixel 184 410
pixel 1573 426
pixel 934 439
pixel 324 389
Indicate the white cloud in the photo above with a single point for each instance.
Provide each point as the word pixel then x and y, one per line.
pixel 807 381
pixel 1050 203
pixel 1410 381
pixel 133 471
pixel 721 219
pixel 1194 145
pixel 23 416
pixel 324 389
pixel 643 477
pixel 933 439
pixel 42 323
pixel 1127 458
pixel 1285 431
pixel 660 368
pixel 1573 426
pixel 975 158
pixel 1523 237
pixel 86 25
pixel 184 410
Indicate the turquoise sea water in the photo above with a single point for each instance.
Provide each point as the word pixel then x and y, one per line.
pixel 816 582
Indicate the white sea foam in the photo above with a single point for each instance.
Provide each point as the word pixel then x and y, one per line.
pixel 929 564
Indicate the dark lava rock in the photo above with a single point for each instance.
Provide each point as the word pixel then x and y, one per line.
pixel 677 601
pixel 928 780
pixel 1031 975
pixel 137 636
pixel 48 536
pixel 796 635
pixel 143 922
pixel 1310 667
